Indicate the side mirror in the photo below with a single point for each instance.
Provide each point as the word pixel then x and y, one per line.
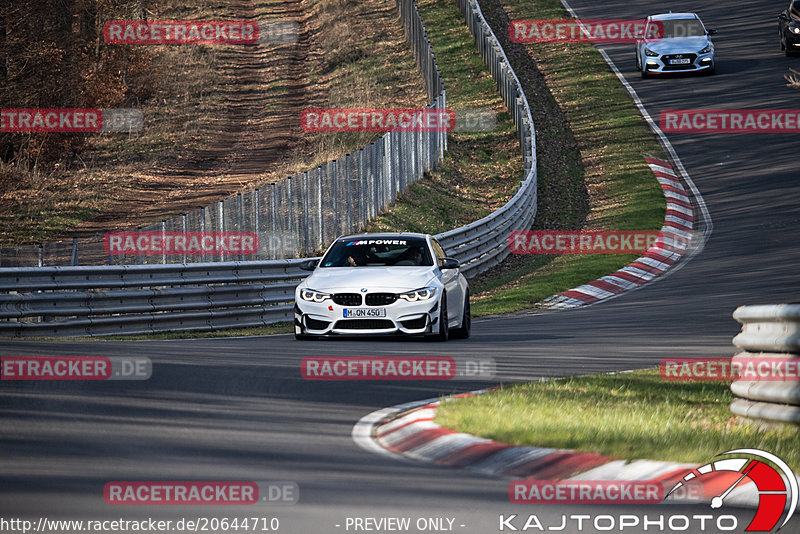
pixel 449 263
pixel 309 265
pixel 712 32
pixel 783 16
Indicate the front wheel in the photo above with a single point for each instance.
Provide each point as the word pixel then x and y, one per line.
pixel 444 328
pixel 466 322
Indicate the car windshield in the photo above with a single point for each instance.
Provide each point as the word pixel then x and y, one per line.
pixel 795 9
pixel 673 28
pixel 379 252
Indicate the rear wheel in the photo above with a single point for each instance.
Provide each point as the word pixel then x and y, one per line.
pixel 466 322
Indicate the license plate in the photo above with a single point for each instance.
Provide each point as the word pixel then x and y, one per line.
pixel 679 61
pixel 364 312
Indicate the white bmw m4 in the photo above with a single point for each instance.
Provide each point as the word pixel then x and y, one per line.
pixel 390 284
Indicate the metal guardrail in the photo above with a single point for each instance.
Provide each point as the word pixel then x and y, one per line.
pixel 138 299
pixel 483 244
pixel 135 299
pixel 771 331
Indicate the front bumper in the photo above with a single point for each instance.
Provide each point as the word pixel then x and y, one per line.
pixel 661 64
pixel 327 318
pixel 792 40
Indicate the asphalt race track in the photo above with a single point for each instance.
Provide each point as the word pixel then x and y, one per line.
pixel 237 409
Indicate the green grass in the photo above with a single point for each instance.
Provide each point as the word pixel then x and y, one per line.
pixel 627 415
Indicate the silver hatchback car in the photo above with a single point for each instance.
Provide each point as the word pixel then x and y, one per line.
pixel 682 44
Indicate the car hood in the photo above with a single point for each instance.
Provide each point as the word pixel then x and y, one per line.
pixel 678 45
pixel 372 278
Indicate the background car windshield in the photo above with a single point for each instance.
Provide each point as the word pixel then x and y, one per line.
pixel 378 252
pixel 795 9
pixel 681 28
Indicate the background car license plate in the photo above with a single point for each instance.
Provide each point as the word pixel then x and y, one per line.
pixel 361 312
pixel 679 61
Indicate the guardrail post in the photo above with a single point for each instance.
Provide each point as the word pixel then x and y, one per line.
pixel 240 218
pixel 274 217
pixel 221 225
pixel 334 195
pixel 291 207
pixel 74 256
pixel 320 221
pixel 347 194
pixel 256 225
pixel 41 255
pixel 183 230
pixel 362 189
pixel 768 331
pixel 202 232
pixel 163 242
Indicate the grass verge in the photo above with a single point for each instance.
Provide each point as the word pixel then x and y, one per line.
pixel 627 415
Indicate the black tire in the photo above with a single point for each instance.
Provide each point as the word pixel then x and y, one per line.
pixel 644 71
pixel 444 327
pixel 302 336
pixel 466 322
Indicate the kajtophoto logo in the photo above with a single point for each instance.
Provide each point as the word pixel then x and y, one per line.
pixel 776 487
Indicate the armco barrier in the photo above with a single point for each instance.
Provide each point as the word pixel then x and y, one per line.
pixel 768 331
pixel 138 299
pixel 128 299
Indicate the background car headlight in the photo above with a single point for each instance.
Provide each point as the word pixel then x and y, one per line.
pixel 418 294
pixel 649 52
pixel 794 29
pixel 313 295
pixel 706 50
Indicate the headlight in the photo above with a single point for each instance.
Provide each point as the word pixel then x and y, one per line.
pixel 312 295
pixel 795 29
pixel 649 52
pixel 425 293
pixel 706 50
